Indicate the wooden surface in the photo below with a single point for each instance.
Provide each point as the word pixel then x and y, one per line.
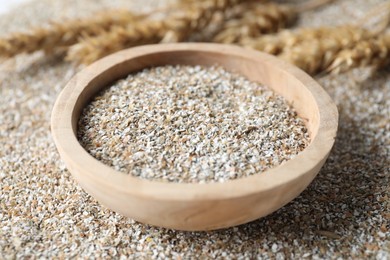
pixel 197 206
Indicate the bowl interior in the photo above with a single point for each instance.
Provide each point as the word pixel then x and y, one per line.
pixel 284 84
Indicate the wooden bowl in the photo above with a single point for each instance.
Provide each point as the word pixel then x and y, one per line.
pixel 196 206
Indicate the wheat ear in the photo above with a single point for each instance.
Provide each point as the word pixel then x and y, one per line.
pixel 331 48
pixel 372 52
pixel 254 20
pixel 318 48
pixel 311 49
pixel 189 17
pixel 65 33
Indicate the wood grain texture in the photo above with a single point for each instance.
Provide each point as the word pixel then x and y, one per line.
pixel 196 206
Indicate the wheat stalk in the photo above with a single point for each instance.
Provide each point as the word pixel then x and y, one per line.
pixel 65 33
pixel 374 52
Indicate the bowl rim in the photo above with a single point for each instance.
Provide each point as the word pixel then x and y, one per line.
pixel 79 160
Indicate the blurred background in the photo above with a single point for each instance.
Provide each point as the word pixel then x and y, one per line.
pixel 6 5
